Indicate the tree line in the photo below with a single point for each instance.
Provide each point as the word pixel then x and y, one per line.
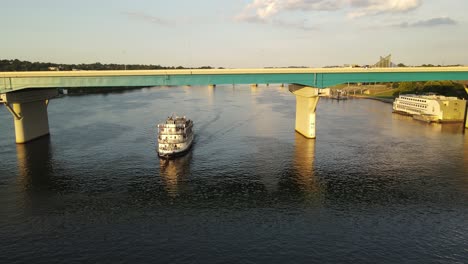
pixel 447 88
pixel 18 65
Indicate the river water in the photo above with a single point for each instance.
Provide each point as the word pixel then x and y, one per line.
pixel 374 187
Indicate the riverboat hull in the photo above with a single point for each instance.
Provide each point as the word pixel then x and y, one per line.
pixel 431 108
pixel 168 154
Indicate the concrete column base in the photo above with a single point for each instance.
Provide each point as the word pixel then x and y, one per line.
pixel 29 110
pixel 466 111
pixel 306 104
pixel 34 122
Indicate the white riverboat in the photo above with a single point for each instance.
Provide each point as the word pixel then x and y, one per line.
pixel 175 136
pixel 431 108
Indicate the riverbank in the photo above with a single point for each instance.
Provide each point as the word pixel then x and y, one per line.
pixel 385 100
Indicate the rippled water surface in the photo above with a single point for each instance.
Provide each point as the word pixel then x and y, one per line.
pixel 374 187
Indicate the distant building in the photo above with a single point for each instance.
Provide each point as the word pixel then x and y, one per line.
pixel 384 62
pixel 54 68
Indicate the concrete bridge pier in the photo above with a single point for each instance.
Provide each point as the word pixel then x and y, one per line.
pixel 466 111
pixel 29 111
pixel 306 104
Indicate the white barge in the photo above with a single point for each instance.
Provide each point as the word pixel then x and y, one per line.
pixel 175 136
pixel 431 108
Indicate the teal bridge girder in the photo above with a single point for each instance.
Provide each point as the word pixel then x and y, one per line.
pixel 314 77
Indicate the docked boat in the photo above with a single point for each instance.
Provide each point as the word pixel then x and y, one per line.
pixel 431 108
pixel 339 95
pixel 175 136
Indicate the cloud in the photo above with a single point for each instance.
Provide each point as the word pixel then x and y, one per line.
pixel 146 18
pixel 433 22
pixel 264 10
pixel 375 7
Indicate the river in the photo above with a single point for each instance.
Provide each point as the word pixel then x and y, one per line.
pixel 374 187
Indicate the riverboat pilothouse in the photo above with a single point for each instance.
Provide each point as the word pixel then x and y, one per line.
pixel 175 136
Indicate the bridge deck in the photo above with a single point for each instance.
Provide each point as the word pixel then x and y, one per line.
pixel 317 77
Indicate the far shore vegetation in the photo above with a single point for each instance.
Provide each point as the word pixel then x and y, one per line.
pixel 18 65
pixel 447 88
pixel 393 90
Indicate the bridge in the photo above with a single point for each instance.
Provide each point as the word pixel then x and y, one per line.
pixel 26 94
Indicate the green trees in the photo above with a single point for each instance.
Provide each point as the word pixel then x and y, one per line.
pixel 447 88
pixel 17 65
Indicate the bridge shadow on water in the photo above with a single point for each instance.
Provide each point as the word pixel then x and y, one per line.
pixel 42 180
pixel 36 181
pixel 35 164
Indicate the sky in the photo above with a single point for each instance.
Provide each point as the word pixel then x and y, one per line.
pixel 235 33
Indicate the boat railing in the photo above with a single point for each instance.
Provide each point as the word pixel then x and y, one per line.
pixel 172 133
pixel 171 126
pixel 169 147
pixel 171 140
